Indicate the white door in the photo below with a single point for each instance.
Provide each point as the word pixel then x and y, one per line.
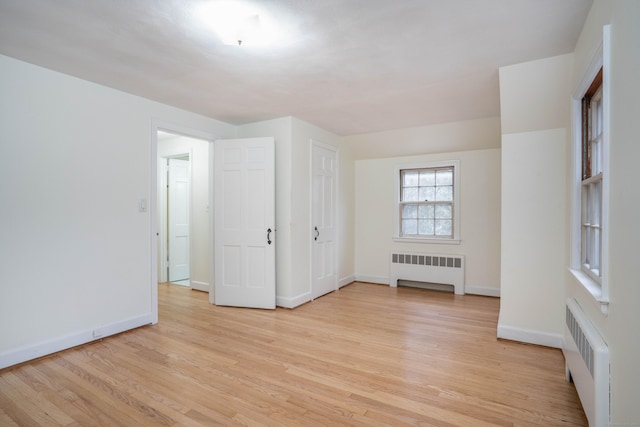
pixel 244 202
pixel 323 220
pixel 178 219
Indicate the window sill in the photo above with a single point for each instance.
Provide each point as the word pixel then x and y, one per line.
pixel 428 241
pixel 592 288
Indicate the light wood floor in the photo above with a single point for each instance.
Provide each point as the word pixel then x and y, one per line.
pixel 366 355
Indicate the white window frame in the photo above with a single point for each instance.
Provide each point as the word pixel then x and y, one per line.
pixel 455 204
pixel 591 197
pixel 595 283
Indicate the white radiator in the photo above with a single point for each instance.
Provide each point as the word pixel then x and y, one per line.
pixel 430 268
pixel 587 364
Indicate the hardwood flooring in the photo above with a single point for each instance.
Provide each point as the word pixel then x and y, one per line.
pixel 366 355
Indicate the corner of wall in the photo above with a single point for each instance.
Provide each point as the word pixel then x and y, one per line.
pixel 514 333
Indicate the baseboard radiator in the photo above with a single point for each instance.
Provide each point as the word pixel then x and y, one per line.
pixel 428 268
pixel 587 364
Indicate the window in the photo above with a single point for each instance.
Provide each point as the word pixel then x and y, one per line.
pixel 590 207
pixel 427 202
pixel 592 179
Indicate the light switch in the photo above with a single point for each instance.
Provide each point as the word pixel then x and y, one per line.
pixel 142 205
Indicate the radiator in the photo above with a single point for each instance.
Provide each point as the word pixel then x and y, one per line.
pixel 587 364
pixel 430 268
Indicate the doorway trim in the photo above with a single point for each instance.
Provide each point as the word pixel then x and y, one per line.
pixel 159 125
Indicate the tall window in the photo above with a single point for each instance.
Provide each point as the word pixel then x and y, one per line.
pixel 427 202
pixel 592 177
pixel 590 187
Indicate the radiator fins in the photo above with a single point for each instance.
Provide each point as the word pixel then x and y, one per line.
pixel 435 261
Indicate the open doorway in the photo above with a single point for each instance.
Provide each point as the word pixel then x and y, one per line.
pixel 183 210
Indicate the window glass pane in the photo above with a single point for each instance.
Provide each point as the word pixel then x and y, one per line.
pixel 427 194
pixel 596 156
pixel 444 177
pixel 596 249
pixel 597 194
pixel 587 246
pixel 410 211
pixel 425 211
pixel 443 227
pixel 409 226
pixel 426 227
pixel 585 204
pixel 410 194
pixel 583 241
pixel 443 211
pixel 598 119
pixel 427 178
pixel 444 193
pixel 410 179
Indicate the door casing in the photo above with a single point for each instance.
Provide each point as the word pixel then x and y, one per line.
pixel 157 125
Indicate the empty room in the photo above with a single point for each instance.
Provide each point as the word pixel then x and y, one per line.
pixel 335 212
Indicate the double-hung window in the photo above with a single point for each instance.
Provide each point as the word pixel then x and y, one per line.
pixel 427 202
pixel 589 254
pixel 592 177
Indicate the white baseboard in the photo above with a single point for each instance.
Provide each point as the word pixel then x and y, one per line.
pixel 199 286
pixel 482 290
pixel 373 279
pixel 293 302
pixel 30 352
pixel 529 336
pixel 474 290
pixel 346 280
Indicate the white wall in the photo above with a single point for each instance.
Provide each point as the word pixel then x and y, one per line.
pixel 476 144
pixel 200 248
pixel 302 134
pixel 293 141
pixel 346 207
pixel 519 304
pixel 534 102
pixel 75 254
pixel 468 135
pixel 533 237
pixel 479 218
pixel 620 327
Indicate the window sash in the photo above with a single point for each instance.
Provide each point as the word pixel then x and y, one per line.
pixel 591 227
pixel 592 127
pixel 592 181
pixel 434 222
pixel 429 212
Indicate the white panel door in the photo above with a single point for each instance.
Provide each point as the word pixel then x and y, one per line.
pixel 178 219
pixel 323 220
pixel 244 200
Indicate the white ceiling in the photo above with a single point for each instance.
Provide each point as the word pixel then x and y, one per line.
pixel 348 66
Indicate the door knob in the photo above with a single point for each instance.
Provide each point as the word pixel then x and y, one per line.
pixel 317 233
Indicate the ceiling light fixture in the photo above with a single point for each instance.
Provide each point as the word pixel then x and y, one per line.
pixel 239 23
